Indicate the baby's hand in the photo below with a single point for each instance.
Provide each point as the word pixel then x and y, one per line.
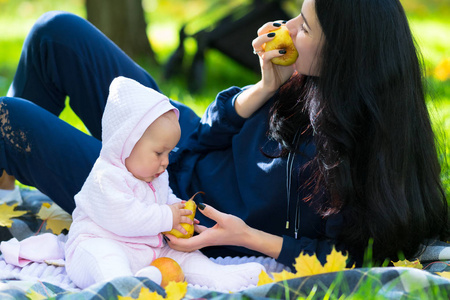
pixel 180 216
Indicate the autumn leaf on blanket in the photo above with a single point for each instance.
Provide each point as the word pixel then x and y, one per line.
pixel 33 295
pixel 307 265
pixel 336 261
pixel 444 274
pixel 264 278
pixel 176 290
pixel 144 294
pixel 408 264
pixel 7 212
pixel 57 219
pixel 284 275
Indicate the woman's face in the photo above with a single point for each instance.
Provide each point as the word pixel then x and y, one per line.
pixel 307 35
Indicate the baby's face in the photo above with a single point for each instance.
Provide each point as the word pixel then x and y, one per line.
pixel 150 156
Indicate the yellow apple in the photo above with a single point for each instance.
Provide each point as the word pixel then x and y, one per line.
pixel 170 270
pixel 190 204
pixel 282 40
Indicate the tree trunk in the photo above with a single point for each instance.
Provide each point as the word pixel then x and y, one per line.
pixel 123 21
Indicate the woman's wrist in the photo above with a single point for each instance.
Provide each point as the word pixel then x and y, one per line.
pixel 252 99
pixel 263 242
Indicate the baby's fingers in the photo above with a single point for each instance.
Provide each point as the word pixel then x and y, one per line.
pixel 186 220
pixel 185 212
pixel 179 205
pixel 180 229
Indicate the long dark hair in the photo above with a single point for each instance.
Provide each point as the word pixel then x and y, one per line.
pixel 376 155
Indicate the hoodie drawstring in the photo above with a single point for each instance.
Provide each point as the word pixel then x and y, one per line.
pixel 289 166
pixel 153 190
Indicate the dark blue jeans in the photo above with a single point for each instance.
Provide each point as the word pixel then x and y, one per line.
pixel 63 55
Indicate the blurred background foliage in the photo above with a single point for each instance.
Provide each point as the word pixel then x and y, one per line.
pixel 429 19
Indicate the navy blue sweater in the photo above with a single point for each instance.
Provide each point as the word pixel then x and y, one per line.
pixel 222 155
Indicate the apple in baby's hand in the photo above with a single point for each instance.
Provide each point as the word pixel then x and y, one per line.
pixel 170 270
pixel 190 204
pixel 282 40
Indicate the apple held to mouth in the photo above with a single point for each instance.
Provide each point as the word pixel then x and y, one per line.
pixel 282 40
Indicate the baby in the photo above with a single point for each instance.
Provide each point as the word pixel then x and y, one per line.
pixel 126 201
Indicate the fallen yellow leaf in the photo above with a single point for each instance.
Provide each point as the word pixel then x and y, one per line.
pixel 306 265
pixel 119 297
pixel 408 264
pixel 444 274
pixel 176 290
pixel 33 295
pixel 57 219
pixel 264 278
pixel 7 212
pixel 336 261
pixel 284 275
pixel 144 294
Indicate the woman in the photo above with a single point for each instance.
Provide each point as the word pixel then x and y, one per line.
pixel 359 94
pixel 340 153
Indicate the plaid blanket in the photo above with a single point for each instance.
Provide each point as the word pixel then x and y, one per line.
pixel 40 280
pixel 374 283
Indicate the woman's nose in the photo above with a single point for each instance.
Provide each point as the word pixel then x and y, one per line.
pixel 292 25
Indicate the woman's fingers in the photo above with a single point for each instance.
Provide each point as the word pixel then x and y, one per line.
pixel 185 245
pixel 228 230
pixel 272 54
pixel 199 228
pixel 211 212
pixel 269 26
pixel 259 41
pixel 265 33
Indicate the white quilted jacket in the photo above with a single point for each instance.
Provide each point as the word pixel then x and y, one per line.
pixel 112 202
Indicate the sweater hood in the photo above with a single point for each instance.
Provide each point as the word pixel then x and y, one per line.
pixel 130 109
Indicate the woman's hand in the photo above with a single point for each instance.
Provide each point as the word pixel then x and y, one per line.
pixel 273 76
pixel 229 230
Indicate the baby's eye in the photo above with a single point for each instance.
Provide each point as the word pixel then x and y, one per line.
pixel 158 153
